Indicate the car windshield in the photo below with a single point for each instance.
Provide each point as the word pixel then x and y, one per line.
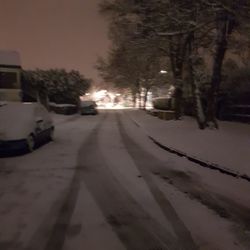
pixel 88 103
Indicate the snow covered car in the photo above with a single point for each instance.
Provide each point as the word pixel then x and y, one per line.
pixel 24 126
pixel 88 108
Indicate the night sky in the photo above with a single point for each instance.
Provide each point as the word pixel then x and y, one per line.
pixel 66 34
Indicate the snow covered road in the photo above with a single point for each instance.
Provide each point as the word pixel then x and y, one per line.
pixel 103 185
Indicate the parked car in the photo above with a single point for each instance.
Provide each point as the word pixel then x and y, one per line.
pixel 23 126
pixel 88 108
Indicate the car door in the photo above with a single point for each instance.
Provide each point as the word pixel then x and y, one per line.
pixel 39 123
pixel 47 121
pixel 43 122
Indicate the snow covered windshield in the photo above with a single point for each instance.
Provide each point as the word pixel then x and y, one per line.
pixel 88 103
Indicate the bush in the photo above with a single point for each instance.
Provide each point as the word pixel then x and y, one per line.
pixel 163 103
pixel 237 85
pixel 63 109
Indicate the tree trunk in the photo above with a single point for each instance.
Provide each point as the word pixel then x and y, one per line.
pixel 178 98
pixel 178 103
pixel 199 112
pixel 145 98
pixel 134 99
pixel 223 23
pixel 138 98
pixel 177 55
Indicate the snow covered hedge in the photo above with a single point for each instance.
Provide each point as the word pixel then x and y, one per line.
pixel 61 86
pixel 163 103
pixel 64 109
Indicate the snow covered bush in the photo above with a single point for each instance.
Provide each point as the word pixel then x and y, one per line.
pixel 64 109
pixel 163 103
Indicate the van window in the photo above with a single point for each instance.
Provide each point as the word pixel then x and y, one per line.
pixel 8 80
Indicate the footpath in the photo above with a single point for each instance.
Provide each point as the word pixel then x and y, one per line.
pixel 226 150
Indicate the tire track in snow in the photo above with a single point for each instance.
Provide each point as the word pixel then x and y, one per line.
pixel 54 230
pixel 223 206
pixel 145 162
pixel 135 227
pixel 57 237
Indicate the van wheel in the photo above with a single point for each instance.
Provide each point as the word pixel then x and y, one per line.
pixel 30 141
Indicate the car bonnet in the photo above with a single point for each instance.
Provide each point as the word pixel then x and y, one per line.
pixel 16 121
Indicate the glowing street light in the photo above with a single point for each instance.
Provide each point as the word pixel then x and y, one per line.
pixel 163 72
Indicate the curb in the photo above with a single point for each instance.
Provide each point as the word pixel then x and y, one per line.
pixel 200 162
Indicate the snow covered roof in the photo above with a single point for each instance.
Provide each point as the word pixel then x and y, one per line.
pixel 10 58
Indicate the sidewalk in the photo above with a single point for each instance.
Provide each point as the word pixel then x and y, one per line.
pixel 227 149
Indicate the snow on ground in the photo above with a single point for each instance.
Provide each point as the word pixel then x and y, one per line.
pixel 33 188
pixel 228 147
pixel 89 228
pixel 33 182
pixel 228 186
pixel 209 229
pixel 58 119
pixel 124 169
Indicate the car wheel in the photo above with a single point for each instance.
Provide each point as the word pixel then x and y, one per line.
pixel 30 141
pixel 51 134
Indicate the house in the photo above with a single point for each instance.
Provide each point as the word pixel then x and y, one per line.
pixel 10 76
